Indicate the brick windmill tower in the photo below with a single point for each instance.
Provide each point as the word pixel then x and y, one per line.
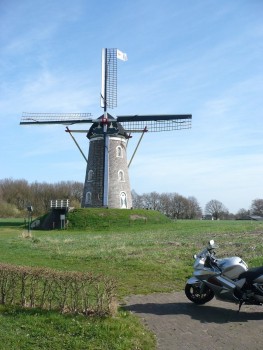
pixel 107 178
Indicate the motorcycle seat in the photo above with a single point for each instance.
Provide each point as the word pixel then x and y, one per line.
pixel 251 274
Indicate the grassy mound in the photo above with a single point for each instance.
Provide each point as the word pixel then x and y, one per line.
pixel 100 218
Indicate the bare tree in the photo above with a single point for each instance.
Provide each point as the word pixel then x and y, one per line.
pixel 76 191
pixel 242 214
pixel 152 200
pixel 178 206
pixel 18 194
pixel 216 209
pixel 193 209
pixel 257 207
pixel 136 200
pixel 165 203
pixel 15 192
pixel 172 205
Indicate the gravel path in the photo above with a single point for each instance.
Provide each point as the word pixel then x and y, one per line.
pixel 180 324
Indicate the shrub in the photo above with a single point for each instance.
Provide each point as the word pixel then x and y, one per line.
pixel 8 210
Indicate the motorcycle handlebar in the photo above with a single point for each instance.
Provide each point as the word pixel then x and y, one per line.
pixel 211 262
pixel 207 251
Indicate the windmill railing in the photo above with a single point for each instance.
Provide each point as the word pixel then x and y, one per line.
pixel 59 203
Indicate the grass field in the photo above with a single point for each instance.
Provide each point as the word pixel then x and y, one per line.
pixel 143 258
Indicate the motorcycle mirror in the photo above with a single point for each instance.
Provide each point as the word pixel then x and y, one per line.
pixel 212 244
pixel 194 256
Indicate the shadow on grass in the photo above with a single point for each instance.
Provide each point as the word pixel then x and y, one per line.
pixel 11 311
pixel 10 223
pixel 16 311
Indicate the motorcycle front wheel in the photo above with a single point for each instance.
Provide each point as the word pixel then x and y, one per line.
pixel 198 294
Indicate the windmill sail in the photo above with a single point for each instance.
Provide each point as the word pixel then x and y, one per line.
pixel 155 123
pixel 108 79
pixel 55 118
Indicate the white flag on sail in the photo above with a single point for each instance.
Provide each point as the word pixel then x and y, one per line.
pixel 122 56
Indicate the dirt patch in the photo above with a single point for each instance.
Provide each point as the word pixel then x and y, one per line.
pixel 180 324
pixel 138 217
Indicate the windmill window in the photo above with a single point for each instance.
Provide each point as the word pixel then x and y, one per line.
pixel 121 176
pixel 119 152
pixel 88 198
pixel 123 200
pixel 90 175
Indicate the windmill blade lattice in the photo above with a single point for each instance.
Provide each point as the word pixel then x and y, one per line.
pixel 155 123
pixel 55 118
pixel 109 79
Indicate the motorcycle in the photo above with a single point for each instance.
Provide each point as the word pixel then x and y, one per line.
pixel 227 279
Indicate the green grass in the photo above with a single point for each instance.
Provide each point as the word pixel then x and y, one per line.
pixel 152 256
pixel 34 329
pixel 117 219
pixel 11 222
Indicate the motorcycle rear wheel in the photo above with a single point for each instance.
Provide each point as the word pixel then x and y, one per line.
pixel 198 295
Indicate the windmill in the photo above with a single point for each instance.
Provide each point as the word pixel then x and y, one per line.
pixel 107 178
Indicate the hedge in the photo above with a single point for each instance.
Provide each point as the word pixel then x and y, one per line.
pixel 67 292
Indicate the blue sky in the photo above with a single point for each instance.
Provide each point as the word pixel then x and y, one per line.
pixel 198 57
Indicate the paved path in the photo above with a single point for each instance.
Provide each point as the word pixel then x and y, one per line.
pixel 180 324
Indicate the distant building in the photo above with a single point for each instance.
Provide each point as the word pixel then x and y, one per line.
pixel 207 217
pixel 256 217
pixel 252 217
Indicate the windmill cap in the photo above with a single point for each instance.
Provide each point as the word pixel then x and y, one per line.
pixel 114 127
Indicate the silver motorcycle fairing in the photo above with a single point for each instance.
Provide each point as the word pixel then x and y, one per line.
pixel 224 288
pixel 205 273
pixel 193 280
pixel 232 267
